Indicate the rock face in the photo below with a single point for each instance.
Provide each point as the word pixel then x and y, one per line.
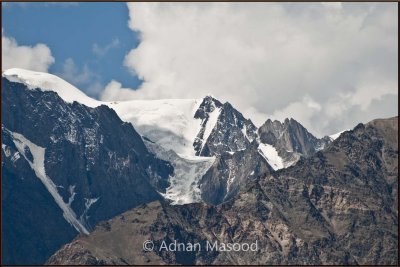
pixel 225 130
pixel 65 167
pixel 339 206
pixel 228 136
pixel 290 139
pixel 231 172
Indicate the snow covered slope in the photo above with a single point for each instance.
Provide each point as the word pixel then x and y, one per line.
pixel 188 170
pixel 169 122
pixel 37 165
pixel 49 82
pixel 271 155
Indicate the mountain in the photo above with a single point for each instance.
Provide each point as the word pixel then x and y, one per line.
pixel 88 160
pixel 65 167
pixel 194 129
pixel 231 172
pixel 224 129
pixel 338 206
pixel 290 139
pixel 183 126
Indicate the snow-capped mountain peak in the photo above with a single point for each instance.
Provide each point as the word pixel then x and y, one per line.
pixel 48 82
pixel 170 123
pixel 192 129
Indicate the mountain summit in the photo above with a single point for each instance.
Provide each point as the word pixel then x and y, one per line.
pixel 290 139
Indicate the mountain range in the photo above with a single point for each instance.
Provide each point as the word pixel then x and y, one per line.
pixel 106 175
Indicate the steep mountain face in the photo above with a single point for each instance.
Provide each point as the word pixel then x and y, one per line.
pixel 290 139
pixel 224 129
pixel 338 206
pixel 199 138
pixel 186 133
pixel 228 136
pixel 231 172
pixel 29 234
pixel 65 167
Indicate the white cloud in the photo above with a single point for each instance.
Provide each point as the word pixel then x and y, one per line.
pixel 269 59
pixel 37 57
pixel 302 111
pixel 102 50
pixel 84 77
pixel 73 74
pixel 114 92
pixel 333 5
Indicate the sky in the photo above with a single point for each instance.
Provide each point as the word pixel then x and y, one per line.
pixel 327 65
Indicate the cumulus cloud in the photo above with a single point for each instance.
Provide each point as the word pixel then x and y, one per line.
pixel 72 73
pixel 323 64
pixel 37 57
pixel 114 92
pixel 302 110
pixel 82 77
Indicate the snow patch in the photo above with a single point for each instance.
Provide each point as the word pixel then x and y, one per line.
pixel 72 193
pixel 89 202
pixel 211 122
pixel 336 135
pixel 244 132
pixel 231 177
pixel 6 150
pixel 37 166
pixel 15 157
pixel 271 155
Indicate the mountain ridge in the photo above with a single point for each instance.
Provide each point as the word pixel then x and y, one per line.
pixel 319 211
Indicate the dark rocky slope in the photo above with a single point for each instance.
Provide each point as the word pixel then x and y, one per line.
pixel 98 164
pixel 338 206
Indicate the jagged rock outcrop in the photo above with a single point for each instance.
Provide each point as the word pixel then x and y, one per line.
pixel 231 138
pixel 224 129
pixel 290 139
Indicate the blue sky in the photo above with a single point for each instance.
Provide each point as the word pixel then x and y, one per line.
pixel 72 31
